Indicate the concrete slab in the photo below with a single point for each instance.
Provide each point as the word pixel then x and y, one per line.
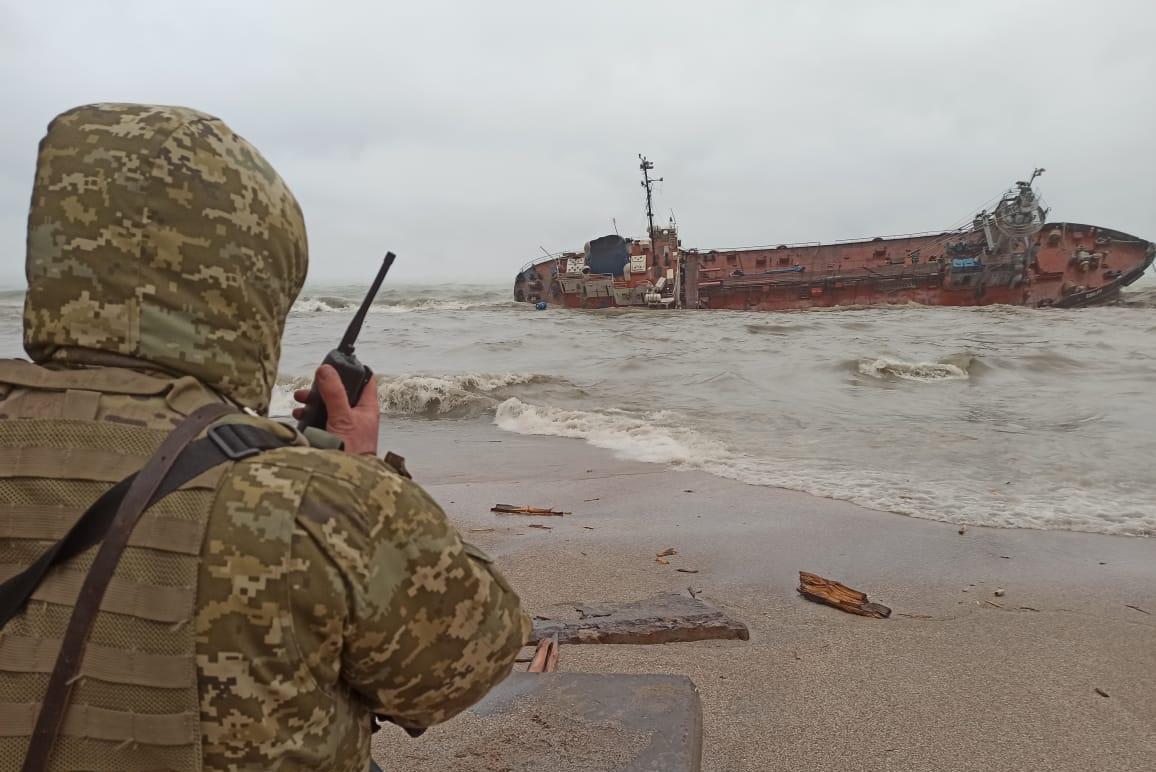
pixel 563 722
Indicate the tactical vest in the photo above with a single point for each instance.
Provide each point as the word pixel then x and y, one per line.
pixel 66 436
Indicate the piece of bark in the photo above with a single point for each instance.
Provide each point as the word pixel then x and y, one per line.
pixel 666 552
pixel 815 588
pixel 552 655
pixel 511 509
pixel 545 658
pixel 666 618
pixel 662 561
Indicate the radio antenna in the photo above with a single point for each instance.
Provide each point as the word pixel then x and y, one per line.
pixel 354 328
pixel 648 183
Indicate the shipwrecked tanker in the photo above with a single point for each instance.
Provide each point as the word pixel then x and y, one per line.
pixel 1010 255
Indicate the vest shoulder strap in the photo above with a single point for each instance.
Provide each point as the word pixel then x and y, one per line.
pixel 109 522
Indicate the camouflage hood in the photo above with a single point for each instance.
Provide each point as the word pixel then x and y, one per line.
pixel 157 233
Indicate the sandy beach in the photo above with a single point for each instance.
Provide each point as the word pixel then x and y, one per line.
pixel 949 682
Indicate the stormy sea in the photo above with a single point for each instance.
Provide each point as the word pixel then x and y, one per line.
pixel 996 416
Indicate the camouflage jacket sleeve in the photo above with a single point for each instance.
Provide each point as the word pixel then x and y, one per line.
pixel 430 624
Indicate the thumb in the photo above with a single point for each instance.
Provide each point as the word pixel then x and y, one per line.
pixel 332 393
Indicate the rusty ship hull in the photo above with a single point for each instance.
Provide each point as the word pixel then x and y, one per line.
pixel 1012 256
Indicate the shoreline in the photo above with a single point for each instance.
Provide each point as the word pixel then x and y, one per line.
pixel 957 678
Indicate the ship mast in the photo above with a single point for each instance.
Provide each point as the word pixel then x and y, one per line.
pixel 648 183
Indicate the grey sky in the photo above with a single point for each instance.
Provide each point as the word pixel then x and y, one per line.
pixel 464 135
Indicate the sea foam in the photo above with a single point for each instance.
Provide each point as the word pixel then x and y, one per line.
pixel 429 396
pixel 662 438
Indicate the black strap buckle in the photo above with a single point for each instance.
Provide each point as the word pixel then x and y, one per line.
pixel 231 440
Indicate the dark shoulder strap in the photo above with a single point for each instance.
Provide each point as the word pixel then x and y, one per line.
pixel 178 460
pixel 225 442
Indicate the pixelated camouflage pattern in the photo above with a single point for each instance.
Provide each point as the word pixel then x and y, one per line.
pixel 332 588
pixel 329 588
pixel 158 233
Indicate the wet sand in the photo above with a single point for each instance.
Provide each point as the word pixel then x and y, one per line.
pixel 949 682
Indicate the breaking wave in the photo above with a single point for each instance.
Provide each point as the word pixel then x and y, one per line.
pixel 637 437
pixel 953 368
pixel 449 395
pixel 322 305
pixel 426 396
pixel 400 300
pixel 1142 298
pixel 662 438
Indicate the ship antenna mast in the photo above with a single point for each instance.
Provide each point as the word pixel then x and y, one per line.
pixel 648 183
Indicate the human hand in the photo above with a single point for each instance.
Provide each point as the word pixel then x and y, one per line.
pixel 357 425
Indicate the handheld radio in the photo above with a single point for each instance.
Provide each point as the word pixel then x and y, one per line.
pixel 354 375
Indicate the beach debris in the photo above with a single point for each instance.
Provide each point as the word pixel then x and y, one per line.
pixel 588 527
pixel 665 618
pixel 1100 692
pixel 815 588
pixel 962 530
pixel 687 570
pixel 545 659
pixel 666 552
pixel 398 464
pixel 539 525
pixel 662 561
pixel 916 616
pixel 999 593
pixel 1137 608
pixel 688 490
pixel 1006 557
pixel 511 509
pixel 1026 608
pixel 480 530
pixel 694 593
pixel 990 603
pixel 587 501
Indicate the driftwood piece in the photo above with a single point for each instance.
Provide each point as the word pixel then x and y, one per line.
pixel 666 618
pixel 511 509
pixel 815 588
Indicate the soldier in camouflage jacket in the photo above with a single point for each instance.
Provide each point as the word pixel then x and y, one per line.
pixel 266 610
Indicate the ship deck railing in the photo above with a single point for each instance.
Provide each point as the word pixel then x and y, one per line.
pixel 961 231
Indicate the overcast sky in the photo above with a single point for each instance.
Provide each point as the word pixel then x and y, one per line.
pixel 464 135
